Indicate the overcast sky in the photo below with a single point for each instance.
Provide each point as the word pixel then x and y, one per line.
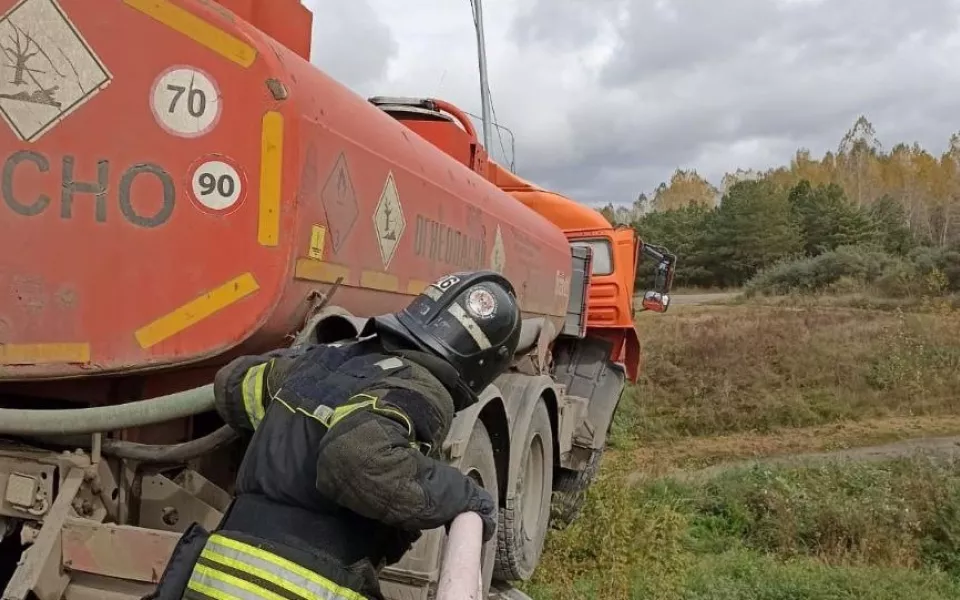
pixel 607 97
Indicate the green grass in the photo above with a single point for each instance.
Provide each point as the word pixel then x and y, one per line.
pixel 886 530
pixel 729 380
pixel 742 575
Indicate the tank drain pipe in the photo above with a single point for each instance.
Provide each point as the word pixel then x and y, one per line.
pixel 83 421
pixel 461 576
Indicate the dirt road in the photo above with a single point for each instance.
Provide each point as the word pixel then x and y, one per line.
pixel 943 447
pixel 696 299
pixel 712 298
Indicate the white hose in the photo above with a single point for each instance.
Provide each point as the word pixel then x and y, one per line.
pixel 461 570
pixel 77 421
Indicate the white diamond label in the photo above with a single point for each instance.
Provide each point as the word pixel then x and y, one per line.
pixel 388 220
pixel 50 70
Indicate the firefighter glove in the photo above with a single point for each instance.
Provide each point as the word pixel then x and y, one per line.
pixel 482 503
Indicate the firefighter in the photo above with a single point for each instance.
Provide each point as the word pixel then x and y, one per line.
pixel 339 478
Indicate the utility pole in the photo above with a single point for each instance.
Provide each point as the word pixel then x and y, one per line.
pixel 484 85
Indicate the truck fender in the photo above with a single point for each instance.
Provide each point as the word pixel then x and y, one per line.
pixel 603 406
pixel 490 409
pixel 463 421
pixel 522 392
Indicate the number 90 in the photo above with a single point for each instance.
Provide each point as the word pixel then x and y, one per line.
pixel 224 185
pixel 216 184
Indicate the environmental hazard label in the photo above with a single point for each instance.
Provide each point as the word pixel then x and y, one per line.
pixel 49 69
pixel 389 221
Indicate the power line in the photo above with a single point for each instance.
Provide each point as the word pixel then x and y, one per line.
pixel 493 109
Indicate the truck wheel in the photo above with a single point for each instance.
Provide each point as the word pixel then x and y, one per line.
pixel 570 490
pixel 525 519
pixel 478 464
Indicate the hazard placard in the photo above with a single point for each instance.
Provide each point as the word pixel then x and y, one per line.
pixel 389 221
pixel 50 69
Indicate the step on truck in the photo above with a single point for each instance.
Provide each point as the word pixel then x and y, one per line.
pixel 181 186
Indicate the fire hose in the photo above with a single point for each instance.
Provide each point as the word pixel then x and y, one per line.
pixel 461 577
pixel 79 421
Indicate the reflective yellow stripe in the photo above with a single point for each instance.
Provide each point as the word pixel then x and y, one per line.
pixel 197 310
pixel 278 570
pixel 308 269
pixel 297 409
pixel 271 577
pixel 197 29
pixel 378 280
pixel 206 580
pixel 271 179
pixel 329 418
pixel 253 393
pixel 209 591
pixel 36 354
pixel 416 287
pixel 342 412
pixel 365 401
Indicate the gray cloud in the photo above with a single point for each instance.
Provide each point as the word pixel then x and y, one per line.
pixel 608 97
pixel 690 35
pixel 351 41
pixel 707 75
pixel 564 24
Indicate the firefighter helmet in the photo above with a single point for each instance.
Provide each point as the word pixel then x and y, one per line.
pixel 471 320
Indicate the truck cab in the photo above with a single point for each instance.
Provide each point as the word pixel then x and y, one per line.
pixel 615 254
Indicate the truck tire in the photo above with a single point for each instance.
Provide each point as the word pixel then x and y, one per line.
pixel 478 463
pixel 570 490
pixel 525 518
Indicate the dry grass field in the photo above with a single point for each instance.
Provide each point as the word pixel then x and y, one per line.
pixel 745 466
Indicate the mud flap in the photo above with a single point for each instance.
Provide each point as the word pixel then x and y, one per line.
pixel 173 582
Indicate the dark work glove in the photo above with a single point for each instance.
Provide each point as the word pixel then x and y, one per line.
pixel 482 503
pixel 402 542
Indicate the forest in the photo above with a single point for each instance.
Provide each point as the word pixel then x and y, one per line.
pixel 860 216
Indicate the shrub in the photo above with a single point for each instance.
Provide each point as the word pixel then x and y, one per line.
pixel 924 272
pixel 817 274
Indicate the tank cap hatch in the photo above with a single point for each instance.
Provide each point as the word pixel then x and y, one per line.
pixel 423 107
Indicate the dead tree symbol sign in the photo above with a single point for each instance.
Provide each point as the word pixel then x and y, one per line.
pixel 48 69
pixel 389 220
pixel 19 50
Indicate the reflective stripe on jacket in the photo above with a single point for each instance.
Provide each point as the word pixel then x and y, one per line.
pixel 229 569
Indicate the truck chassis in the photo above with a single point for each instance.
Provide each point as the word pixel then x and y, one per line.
pixel 81 524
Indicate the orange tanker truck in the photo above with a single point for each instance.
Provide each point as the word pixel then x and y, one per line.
pixel 180 185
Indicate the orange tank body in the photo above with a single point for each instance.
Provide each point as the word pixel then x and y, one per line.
pixel 182 193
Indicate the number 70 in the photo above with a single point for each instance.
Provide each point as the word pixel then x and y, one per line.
pixel 196 99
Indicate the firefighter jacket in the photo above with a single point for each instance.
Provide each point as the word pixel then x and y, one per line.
pixel 336 481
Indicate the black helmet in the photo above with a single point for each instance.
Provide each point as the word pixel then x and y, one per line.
pixel 471 320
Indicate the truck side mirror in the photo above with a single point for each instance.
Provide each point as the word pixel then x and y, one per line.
pixel 655 301
pixel 664 271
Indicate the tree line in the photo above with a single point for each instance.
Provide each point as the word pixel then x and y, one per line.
pixel 903 204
